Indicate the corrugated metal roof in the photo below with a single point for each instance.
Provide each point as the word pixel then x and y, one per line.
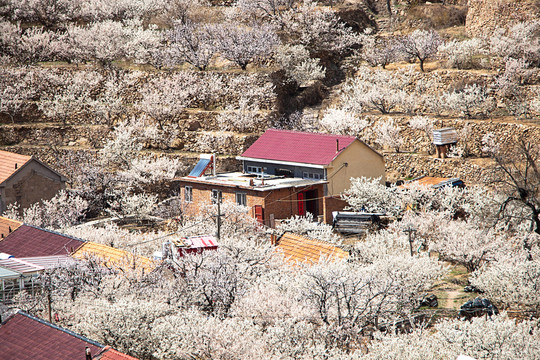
pixel 201 241
pixel 32 241
pixel 10 163
pixel 8 274
pixel 49 262
pixel 7 226
pixel 24 337
pixel 20 266
pixel 298 147
pixel 445 136
pixel 114 258
pixel 298 248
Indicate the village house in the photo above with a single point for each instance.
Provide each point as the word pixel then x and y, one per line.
pixel 26 180
pixel 285 173
pixel 333 158
pixel 26 337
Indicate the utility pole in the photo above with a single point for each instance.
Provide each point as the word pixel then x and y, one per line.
pixel 49 301
pixel 410 230
pixel 218 234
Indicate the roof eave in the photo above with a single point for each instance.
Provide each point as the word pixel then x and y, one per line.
pixel 281 162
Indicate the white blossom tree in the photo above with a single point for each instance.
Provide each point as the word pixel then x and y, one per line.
pixel 463 54
pixel 64 209
pixel 470 101
pixel 339 121
pixel 421 45
pixel 244 45
pixel 191 43
pixel 296 62
pixel 388 134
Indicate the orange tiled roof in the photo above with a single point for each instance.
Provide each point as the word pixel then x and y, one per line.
pixel 425 181
pixel 112 257
pixel 11 162
pixel 297 248
pixel 7 226
pixel 111 354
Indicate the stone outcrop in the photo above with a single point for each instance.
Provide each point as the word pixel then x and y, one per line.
pixel 484 16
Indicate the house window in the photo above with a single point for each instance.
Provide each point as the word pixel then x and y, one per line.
pixel 254 169
pixel 312 176
pixel 188 194
pixel 241 199
pixel 216 196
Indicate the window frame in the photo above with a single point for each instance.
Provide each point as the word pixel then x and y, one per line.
pixel 188 193
pixel 254 169
pixel 242 196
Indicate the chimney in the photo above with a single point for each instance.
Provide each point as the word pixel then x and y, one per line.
pixel 88 354
pixel 337 145
pixel 15 165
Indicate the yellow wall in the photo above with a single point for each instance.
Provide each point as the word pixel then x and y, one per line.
pixel 362 161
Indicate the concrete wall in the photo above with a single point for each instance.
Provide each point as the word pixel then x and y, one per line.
pixel 361 161
pixel 31 184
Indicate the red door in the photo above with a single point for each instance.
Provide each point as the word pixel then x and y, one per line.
pixel 301 204
pixel 258 213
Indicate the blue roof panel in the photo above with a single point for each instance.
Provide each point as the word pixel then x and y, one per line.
pixel 199 169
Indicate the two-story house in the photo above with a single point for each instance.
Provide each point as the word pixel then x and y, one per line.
pixel 315 156
pixel 285 173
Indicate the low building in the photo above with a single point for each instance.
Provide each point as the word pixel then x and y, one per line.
pixel 26 180
pixel 17 275
pixel 113 258
pixel 29 241
pixel 301 249
pixel 26 337
pixel 269 197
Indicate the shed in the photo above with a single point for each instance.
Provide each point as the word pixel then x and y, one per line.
pixel 17 275
pixel 301 249
pixel 195 244
pixel 443 139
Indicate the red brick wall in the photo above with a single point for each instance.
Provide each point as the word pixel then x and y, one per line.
pixel 332 203
pixel 282 203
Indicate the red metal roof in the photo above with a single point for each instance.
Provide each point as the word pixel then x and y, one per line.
pixel 297 146
pixel 201 241
pixel 30 241
pixel 10 163
pixel 24 337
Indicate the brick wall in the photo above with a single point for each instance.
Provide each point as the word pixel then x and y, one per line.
pixel 332 203
pixel 30 188
pixel 281 203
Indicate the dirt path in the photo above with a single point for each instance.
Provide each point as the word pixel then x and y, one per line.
pixel 451 299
